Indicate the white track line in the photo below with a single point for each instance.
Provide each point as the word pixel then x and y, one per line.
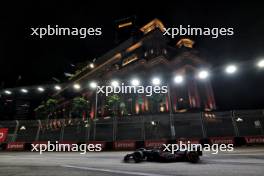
pixel 241 154
pixel 112 171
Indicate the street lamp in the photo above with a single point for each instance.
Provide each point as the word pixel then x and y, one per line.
pixel 135 82
pixel 57 87
pixel 260 63
pixel 230 69
pixel 178 79
pixel 41 89
pixel 172 127
pixel 156 81
pixel 24 90
pixel 93 85
pixel 8 92
pixel 203 74
pixel 91 65
pixel 77 86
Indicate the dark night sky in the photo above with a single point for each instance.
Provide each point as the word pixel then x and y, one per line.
pixel 37 60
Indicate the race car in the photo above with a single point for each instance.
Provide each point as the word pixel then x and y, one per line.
pixel 158 155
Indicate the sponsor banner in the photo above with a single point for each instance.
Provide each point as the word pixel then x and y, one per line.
pixel 103 143
pixel 254 139
pixel 124 145
pixel 154 143
pixel 188 140
pixel 222 140
pixel 15 146
pixel 3 134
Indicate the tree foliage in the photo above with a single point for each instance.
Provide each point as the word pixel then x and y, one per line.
pixel 79 105
pixel 46 109
pixel 113 101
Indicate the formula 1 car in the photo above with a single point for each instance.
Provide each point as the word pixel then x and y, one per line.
pixel 158 155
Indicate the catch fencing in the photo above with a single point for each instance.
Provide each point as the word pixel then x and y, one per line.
pixel 140 128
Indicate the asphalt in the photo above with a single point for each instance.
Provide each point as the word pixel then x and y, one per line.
pixel 241 162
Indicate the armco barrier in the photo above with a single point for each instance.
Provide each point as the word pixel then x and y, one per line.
pixel 124 145
pixel 254 139
pixel 15 146
pixel 155 143
pixel 132 145
pixel 222 140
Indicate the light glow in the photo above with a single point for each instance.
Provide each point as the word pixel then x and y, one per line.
pixel 156 81
pixel 178 79
pixel 260 63
pixel 230 69
pixel 77 86
pixel 91 65
pixel 57 87
pixel 41 89
pixel 135 82
pixel 93 85
pixel 24 90
pixel 114 83
pixel 203 74
pixel 8 92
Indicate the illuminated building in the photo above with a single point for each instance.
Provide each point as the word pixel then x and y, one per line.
pixel 145 55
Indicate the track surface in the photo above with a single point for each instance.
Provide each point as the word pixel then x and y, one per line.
pixel 243 161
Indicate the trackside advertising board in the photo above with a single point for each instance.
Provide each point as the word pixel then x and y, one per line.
pixel 3 134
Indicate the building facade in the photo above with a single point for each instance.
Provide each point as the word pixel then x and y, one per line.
pixel 149 53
